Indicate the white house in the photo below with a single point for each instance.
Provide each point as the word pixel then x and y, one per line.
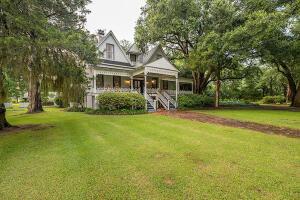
pixel 150 74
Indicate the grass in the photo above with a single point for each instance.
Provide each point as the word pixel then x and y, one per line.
pixel 290 119
pixel 143 157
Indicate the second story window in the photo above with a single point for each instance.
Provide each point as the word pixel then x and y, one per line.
pixel 110 52
pixel 133 58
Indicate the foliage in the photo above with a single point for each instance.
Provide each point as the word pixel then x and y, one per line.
pixel 59 102
pixel 273 100
pixel 45 42
pixel 236 102
pixel 195 101
pixel 270 34
pixel 125 44
pixel 112 101
pixel 16 86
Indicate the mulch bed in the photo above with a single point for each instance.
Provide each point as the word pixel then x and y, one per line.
pixel 201 117
pixel 31 127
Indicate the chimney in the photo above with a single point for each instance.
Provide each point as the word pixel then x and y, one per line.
pixel 100 34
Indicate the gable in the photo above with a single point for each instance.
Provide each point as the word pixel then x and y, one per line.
pixel 119 54
pixel 162 63
pixel 154 54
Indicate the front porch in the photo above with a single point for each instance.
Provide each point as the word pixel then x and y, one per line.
pixel 160 86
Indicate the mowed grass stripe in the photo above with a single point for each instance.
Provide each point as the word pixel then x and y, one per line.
pixel 145 156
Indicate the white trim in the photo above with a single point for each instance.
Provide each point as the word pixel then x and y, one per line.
pixel 111 73
pixel 117 42
pixel 161 71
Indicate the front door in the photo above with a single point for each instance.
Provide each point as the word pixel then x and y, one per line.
pixel 139 85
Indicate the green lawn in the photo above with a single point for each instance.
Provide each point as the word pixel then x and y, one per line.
pixel 144 157
pixel 290 119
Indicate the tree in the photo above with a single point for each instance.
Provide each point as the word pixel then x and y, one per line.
pixel 270 33
pixel 16 86
pixel 125 44
pixel 196 32
pixel 44 40
pixel 177 25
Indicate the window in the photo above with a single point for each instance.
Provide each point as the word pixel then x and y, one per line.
pixel 110 52
pixel 185 86
pixel 165 85
pixel 100 81
pixel 117 81
pixel 133 58
pixel 153 83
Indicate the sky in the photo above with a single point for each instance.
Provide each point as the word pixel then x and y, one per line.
pixel 120 16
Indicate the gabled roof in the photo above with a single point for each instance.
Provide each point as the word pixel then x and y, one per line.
pixel 162 63
pixel 149 55
pixel 134 49
pixel 110 33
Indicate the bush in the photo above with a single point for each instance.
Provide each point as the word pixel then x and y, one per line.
pixel 273 100
pixel 59 102
pixel 236 102
pixel 195 101
pixel 112 101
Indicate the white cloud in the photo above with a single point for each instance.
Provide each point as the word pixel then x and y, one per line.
pixel 120 16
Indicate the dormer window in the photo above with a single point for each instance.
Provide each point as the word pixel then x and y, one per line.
pixel 133 58
pixel 110 52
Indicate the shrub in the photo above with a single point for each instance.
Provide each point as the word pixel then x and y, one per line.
pixel 59 102
pixel 236 102
pixel 273 100
pixel 112 101
pixel 195 101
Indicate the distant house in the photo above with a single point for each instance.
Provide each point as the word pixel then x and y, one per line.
pixel 150 74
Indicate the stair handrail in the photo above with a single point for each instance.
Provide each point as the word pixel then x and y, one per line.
pixel 163 100
pixel 170 98
pixel 150 100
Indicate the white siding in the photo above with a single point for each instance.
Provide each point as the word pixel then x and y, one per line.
pixel 119 55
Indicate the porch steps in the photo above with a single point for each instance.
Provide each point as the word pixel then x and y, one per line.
pixel 150 107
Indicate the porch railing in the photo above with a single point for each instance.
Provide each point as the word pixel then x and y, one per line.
pixel 109 89
pixel 169 98
pixel 163 100
pixel 151 101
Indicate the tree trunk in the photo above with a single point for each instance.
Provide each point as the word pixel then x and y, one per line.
pixel 288 94
pixel 35 100
pixel 297 98
pixel 3 121
pixel 217 97
pixel 200 81
pixel 292 83
pixel 218 86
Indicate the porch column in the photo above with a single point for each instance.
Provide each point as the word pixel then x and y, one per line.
pixel 158 83
pixel 145 84
pixel 131 83
pixel 177 88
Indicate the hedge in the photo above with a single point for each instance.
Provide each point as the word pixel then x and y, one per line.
pixel 112 101
pixel 273 100
pixel 194 101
